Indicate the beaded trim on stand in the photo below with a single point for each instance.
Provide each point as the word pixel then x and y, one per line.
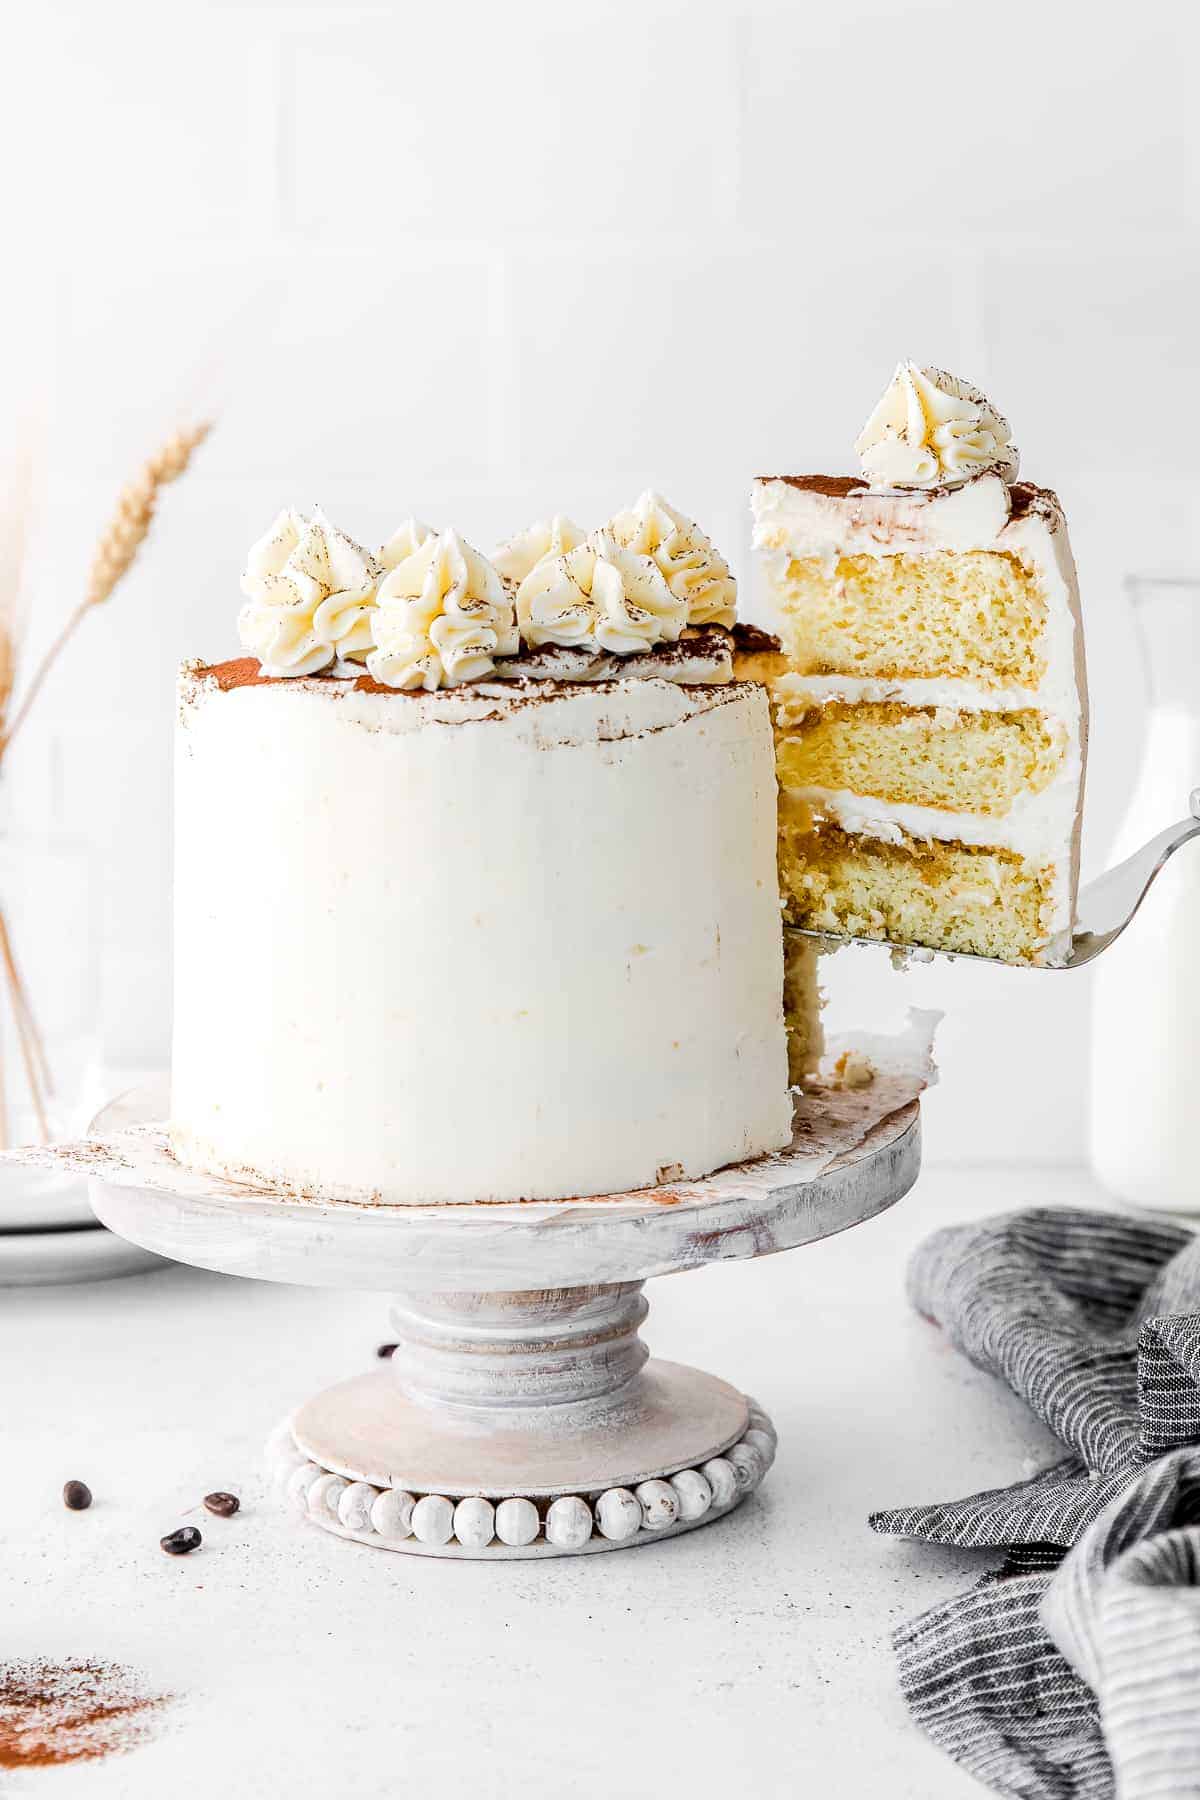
pixel 475 1525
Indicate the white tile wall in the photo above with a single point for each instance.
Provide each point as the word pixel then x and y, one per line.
pixel 961 123
pixel 149 116
pixel 406 125
pixel 475 262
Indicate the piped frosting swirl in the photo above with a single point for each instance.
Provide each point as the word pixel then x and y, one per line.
pixel 310 591
pixel 690 562
pixel 404 542
pixel 428 611
pixel 547 538
pixel 443 616
pixel 601 593
pixel 932 430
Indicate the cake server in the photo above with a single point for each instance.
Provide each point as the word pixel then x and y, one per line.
pixel 1103 910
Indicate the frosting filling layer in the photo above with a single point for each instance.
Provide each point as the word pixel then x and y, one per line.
pixel 1037 826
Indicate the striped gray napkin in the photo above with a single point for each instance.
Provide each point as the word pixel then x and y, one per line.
pixel 1072 1672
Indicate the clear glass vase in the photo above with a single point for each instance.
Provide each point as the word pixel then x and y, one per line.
pixel 1145 1054
pixel 49 994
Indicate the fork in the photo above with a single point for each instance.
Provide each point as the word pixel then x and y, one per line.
pixel 1104 908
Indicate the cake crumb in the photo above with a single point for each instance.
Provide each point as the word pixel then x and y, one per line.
pixel 853 1070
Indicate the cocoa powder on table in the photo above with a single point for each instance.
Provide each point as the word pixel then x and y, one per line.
pixel 73 1711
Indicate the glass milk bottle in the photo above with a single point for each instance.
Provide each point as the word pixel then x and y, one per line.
pixel 1145 1112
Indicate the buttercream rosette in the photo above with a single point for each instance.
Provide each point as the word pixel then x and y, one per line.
pixel 547 538
pixel 692 566
pixel 932 430
pixel 443 616
pixel 310 591
pixel 404 542
pixel 600 594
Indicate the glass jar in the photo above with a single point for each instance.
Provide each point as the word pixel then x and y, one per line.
pixel 1145 1050
pixel 49 1009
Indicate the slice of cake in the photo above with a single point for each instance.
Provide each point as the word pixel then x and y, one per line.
pixel 496 916
pixel 929 692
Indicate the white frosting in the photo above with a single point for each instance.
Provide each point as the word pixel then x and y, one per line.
pixel 694 569
pixel 791 523
pixel 798 694
pixel 404 542
pixel 519 941
pixel 1041 828
pixel 866 522
pixel 930 429
pixel 443 616
pixel 1037 826
pixel 547 538
pixel 309 591
pixel 601 594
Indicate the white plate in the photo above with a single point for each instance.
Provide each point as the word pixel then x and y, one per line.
pixel 33 1199
pixel 38 1200
pixel 44 1258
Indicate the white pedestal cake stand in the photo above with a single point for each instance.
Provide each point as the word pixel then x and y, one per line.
pixel 520 1415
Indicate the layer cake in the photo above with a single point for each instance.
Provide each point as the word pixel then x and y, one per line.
pixel 476 889
pixel 927 684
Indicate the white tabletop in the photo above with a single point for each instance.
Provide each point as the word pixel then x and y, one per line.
pixel 749 1658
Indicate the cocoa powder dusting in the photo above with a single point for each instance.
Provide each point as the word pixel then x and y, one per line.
pixel 246 671
pixel 239 671
pixel 1024 496
pixel 833 487
pixel 750 640
pixel 75 1711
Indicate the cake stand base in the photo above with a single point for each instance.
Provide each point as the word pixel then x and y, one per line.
pixel 520 1415
pixel 524 1425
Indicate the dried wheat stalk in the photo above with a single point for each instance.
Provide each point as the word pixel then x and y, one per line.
pixel 16 493
pixel 135 510
pixel 119 544
pixel 37 1075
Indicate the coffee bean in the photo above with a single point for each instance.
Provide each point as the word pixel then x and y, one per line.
pixel 178 1543
pixel 224 1505
pixel 385 1350
pixel 77 1495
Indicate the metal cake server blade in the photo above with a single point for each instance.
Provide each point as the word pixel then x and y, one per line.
pixel 1103 910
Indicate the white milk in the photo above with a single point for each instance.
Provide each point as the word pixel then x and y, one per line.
pixel 1145 1124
